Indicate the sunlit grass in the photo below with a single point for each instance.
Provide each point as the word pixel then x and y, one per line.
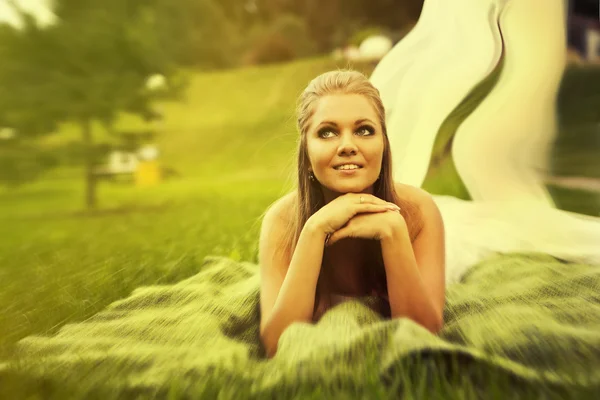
pixel 232 143
pixel 64 265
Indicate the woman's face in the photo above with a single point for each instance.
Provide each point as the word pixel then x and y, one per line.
pixel 345 130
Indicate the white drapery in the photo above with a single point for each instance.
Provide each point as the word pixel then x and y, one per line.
pixel 501 148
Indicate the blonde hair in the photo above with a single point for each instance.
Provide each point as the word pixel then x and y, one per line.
pixel 309 198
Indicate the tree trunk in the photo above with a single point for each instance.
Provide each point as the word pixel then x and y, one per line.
pixel 89 158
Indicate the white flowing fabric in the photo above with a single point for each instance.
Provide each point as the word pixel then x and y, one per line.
pixel 501 147
pixel 454 45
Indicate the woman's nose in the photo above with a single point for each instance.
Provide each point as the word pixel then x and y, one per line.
pixel 347 144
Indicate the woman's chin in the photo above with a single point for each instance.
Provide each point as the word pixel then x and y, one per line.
pixel 349 188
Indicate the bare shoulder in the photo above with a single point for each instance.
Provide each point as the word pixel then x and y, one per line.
pixel 414 201
pixel 275 233
pixel 278 219
pixel 428 210
pixel 415 195
pixel 282 208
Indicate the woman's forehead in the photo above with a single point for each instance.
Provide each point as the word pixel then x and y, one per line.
pixel 343 109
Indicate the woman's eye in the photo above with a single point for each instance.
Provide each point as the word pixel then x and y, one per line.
pixel 325 132
pixel 366 130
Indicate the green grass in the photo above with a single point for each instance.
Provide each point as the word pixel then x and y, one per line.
pixel 417 376
pixel 232 142
pixel 230 122
pixel 67 265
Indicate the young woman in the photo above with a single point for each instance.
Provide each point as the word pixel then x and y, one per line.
pixel 348 230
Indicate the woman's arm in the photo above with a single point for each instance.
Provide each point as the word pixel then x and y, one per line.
pixel 416 271
pixel 287 293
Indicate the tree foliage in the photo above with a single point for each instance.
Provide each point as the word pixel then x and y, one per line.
pixel 94 62
pixel 91 65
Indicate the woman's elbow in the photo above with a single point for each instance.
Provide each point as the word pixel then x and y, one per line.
pixel 433 325
pixel 433 322
pixel 437 325
pixel 270 351
pixel 437 322
pixel 269 345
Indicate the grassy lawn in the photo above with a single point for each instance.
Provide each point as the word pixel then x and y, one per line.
pixel 60 266
pixel 232 142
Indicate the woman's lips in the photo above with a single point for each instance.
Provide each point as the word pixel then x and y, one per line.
pixel 348 171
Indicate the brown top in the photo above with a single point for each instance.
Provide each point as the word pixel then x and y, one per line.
pixel 347 261
pixel 382 306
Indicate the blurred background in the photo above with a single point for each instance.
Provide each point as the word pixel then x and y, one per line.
pixel 137 137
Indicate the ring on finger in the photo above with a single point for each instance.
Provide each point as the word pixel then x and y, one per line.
pixel 361 199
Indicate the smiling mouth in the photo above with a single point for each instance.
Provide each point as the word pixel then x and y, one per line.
pixel 347 168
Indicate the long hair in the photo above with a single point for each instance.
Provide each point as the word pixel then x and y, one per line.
pixel 309 198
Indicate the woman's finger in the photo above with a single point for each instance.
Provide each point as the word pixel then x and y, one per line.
pixel 371 199
pixel 389 206
pixel 367 198
pixel 365 208
pixel 337 235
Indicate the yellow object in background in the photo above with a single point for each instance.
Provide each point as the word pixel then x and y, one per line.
pixel 147 173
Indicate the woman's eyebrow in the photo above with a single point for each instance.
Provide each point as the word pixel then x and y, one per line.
pixel 327 123
pixel 360 121
pixel 357 122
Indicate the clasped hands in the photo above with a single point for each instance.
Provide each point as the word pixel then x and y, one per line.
pixel 359 215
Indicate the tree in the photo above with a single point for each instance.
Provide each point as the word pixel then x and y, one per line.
pixel 199 33
pixel 89 66
pixel 330 21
